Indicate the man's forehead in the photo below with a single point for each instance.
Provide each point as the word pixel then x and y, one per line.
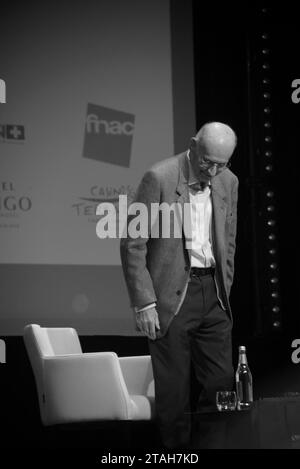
pixel 215 151
pixel 213 158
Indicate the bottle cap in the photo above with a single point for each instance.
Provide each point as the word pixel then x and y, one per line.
pixel 242 348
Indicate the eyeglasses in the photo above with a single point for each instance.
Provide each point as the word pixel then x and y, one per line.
pixel 205 163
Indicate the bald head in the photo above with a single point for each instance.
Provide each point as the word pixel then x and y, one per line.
pixel 217 140
pixel 211 149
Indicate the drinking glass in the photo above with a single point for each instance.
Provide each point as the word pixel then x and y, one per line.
pixel 226 400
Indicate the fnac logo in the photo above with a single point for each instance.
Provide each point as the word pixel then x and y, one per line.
pixel 108 135
pixel 2 91
pixel 2 351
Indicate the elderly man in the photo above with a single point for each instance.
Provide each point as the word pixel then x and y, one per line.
pixel 179 286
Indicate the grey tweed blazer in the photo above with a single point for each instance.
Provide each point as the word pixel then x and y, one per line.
pixel 156 269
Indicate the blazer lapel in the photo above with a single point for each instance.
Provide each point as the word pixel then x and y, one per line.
pixel 182 186
pixel 219 216
pixel 184 199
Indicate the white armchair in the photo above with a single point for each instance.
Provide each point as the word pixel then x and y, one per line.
pixel 76 387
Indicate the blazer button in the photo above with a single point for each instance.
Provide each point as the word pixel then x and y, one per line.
pixel 178 292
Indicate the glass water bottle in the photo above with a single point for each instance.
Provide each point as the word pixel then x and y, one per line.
pixel 243 379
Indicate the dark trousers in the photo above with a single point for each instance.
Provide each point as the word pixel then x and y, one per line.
pixel 199 336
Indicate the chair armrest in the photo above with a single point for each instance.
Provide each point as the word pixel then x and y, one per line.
pixel 138 374
pixel 87 386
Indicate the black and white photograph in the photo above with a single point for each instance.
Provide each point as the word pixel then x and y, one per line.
pixel 149 244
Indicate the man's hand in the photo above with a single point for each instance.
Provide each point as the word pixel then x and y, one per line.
pixel 147 322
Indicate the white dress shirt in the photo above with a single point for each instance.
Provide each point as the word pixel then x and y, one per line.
pixel 201 217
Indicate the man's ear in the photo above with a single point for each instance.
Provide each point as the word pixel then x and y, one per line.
pixel 193 144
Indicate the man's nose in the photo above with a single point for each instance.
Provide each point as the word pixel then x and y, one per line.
pixel 213 170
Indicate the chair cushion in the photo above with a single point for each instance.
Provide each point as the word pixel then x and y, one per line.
pixel 142 407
